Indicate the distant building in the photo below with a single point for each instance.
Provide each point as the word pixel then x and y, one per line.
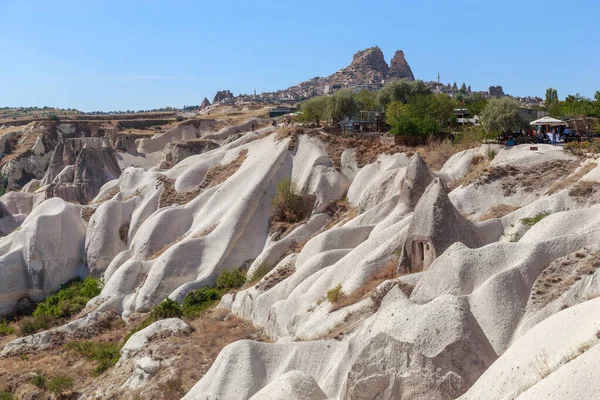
pixel 464 116
pixel 279 111
pixel 529 114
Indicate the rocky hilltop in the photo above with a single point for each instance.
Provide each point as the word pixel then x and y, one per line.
pixel 320 266
pixel 368 69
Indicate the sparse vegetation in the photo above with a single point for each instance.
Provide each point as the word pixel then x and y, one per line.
pixel 260 272
pixel 166 247
pixel 199 300
pixel 572 179
pixel 335 294
pixel 479 166
pixel 195 302
pixel 540 365
pixel 7 396
pixel 60 384
pixel 104 354
pixel 288 205
pixel 70 299
pixel 277 276
pixel 220 173
pixel 531 221
pixel 5 328
pixel 172 389
pixel 39 381
pixel 167 309
pixel 231 279
pixel 30 325
pixel 498 211
pixel 389 271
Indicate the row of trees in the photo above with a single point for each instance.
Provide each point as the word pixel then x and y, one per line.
pixel 573 105
pixel 411 108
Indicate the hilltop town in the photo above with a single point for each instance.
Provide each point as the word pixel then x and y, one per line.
pixel 367 71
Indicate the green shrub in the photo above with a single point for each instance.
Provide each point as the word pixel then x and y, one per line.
pixel 7 396
pixel 29 326
pixel 260 272
pixel 491 153
pixel 336 294
pixel 167 309
pixel 104 354
pixel 39 381
pixel 531 221
pixel 288 205
pixel 473 135
pixel 5 328
pixel 60 384
pixel 231 279
pixel 70 299
pixel 406 125
pixel 199 300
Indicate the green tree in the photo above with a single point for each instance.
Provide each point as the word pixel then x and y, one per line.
pixel 597 96
pixel 314 110
pixel 475 103
pixel 366 100
pixel 395 111
pixel 341 105
pixel 401 90
pixel 501 115
pixel 551 96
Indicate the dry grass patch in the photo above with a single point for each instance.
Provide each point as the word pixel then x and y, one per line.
pixel 169 196
pixel 479 166
pixel 219 173
pixel 498 211
pixel 571 179
pixel 165 248
pixel 124 232
pixel 436 153
pixel 194 354
pixel 585 191
pixel 341 212
pixel 351 322
pixel 279 275
pixel 529 178
pixel 16 372
pixel 206 231
pixel 560 276
pixel 109 195
pixel 87 212
pixel 389 271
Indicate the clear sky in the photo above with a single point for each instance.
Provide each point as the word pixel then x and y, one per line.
pixel 134 54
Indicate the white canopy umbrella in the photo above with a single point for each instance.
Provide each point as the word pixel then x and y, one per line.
pixel 547 121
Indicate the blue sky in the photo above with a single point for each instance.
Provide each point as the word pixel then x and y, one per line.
pixel 133 54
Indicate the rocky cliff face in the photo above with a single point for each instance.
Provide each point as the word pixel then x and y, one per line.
pixel 222 95
pixel 400 68
pixel 496 91
pixel 205 104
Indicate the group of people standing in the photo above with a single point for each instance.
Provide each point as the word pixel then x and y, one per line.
pixel 554 137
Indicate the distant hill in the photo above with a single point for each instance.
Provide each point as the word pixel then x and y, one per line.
pixel 368 70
